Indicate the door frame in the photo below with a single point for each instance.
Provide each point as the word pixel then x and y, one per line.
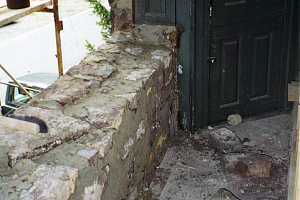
pixel 197 105
pixel 193 114
pixel 201 75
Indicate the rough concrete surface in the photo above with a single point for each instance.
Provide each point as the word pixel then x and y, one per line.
pixel 193 169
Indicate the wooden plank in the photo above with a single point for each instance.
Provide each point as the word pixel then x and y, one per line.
pixel 294 92
pixel 10 15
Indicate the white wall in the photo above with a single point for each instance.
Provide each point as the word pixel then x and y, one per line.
pixel 35 51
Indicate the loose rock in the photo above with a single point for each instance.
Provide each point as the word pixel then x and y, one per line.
pixel 234 120
pixel 225 141
pixel 251 165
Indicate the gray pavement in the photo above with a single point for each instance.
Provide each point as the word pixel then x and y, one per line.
pixel 193 170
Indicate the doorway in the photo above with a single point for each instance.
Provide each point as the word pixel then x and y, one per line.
pixel 247 67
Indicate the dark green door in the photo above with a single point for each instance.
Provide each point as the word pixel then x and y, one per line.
pixel 248 44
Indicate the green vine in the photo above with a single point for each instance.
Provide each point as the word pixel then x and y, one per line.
pixel 105 16
pixel 90 47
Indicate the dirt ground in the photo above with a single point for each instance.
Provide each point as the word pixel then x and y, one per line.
pixel 193 169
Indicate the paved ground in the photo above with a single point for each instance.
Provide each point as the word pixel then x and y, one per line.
pixel 193 170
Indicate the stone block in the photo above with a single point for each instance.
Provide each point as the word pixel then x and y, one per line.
pixel 51 183
pixel 249 165
pixel 224 140
pixel 18 125
pixel 93 192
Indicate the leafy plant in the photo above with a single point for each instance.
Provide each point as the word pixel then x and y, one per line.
pixel 105 16
pixel 90 47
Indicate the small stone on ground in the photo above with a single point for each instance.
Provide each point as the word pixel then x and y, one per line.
pixel 225 140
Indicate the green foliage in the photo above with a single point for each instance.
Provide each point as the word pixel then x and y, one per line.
pixel 90 47
pixel 105 16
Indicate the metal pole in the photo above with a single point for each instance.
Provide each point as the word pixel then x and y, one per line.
pixel 16 82
pixel 58 27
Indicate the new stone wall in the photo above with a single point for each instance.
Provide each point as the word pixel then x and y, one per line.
pixel 103 125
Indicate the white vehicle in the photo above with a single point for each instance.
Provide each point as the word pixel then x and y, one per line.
pixel 33 83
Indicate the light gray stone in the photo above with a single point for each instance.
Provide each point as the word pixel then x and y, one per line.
pixel 141 130
pixel 51 183
pixel 18 125
pixel 134 51
pixel 88 153
pixel 234 120
pixel 127 147
pixel 93 192
pixel 94 58
pixel 162 56
pixel 139 74
pixel 104 145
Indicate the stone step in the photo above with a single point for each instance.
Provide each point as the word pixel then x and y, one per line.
pixel 18 125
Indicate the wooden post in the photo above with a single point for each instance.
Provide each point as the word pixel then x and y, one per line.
pixel 296 189
pixel 296 186
pixel 58 27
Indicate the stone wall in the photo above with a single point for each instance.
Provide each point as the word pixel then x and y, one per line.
pixel 102 126
pixel 122 11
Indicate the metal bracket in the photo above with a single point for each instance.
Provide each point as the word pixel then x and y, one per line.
pixel 212 60
pixel 180 69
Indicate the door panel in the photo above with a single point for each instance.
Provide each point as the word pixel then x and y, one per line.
pixel 226 74
pixel 266 70
pixel 229 72
pixel 247 39
pixel 155 11
pixel 269 7
pixel 260 70
pixel 230 11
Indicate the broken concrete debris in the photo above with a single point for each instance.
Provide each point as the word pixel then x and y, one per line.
pixel 225 141
pixel 249 165
pixel 193 170
pixel 230 145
